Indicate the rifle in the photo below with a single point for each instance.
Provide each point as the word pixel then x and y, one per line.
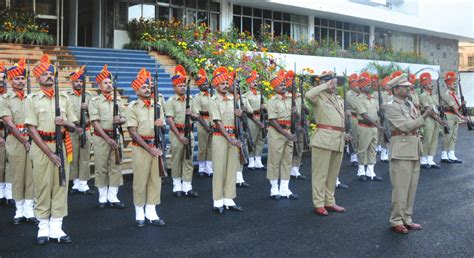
pixel 263 113
pixel 304 125
pixel 159 137
pixel 243 152
pixel 83 120
pixel 294 115
pixel 347 122
pixel 58 133
pixel 381 113
pixel 442 115
pixel 116 129
pixel 463 106
pixel 28 81
pixel 245 124
pixel 188 126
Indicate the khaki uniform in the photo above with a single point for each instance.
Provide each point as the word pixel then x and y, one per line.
pixel 254 104
pixel 432 127
pixel 50 197
pixel 107 173
pixel 367 134
pixel 296 160
pixel 146 178
pixel 450 102
pixel 405 150
pixel 239 176
pixel 181 168
pixel 352 100
pixel 225 157
pixel 327 144
pixel 415 98
pixel 80 168
pixel 201 107
pixel 4 178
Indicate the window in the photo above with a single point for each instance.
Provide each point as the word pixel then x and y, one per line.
pixel 250 19
pixel 470 61
pixel 342 33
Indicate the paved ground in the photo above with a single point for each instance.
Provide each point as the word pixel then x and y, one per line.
pixel 444 205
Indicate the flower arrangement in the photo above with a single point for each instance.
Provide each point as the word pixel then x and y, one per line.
pixel 17 25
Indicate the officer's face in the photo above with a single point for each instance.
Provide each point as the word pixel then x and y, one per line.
pixel 144 91
pixel 77 85
pixel 204 87
pixel 402 91
pixel 180 89
pixel 253 84
pixel 106 86
pixel 375 85
pixel 223 87
pixel 451 85
pixel 281 89
pixel 366 88
pixel 18 82
pixel 46 79
pixel 429 86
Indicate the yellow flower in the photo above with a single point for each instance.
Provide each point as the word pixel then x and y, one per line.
pixel 230 68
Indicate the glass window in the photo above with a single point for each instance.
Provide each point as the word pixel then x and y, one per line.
pixel 276 15
pixel 317 21
pixel 247 24
pixel 347 26
pixel 215 7
pixel 353 27
pixel 177 2
pixel 286 17
pixel 339 37
pixel 214 26
pixel 324 33
pixel 286 29
pixel 237 9
pixel 46 7
pixel 122 13
pixel 134 11
pixel 163 13
pixel 277 28
pixel 257 12
pixel 332 34
pixel 332 24
pixel 257 23
pixel 148 11
pixel 202 18
pixel 339 25
pixel 163 1
pixel 237 24
pixel 191 3
pixel 347 39
pixel 366 39
pixel 247 11
pixel 190 16
pixel 317 34
pixel 324 22
pixel 178 13
pixel 267 14
pixel 202 4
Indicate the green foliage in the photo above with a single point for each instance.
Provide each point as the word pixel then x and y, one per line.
pixel 19 26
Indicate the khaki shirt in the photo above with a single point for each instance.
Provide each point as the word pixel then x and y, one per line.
pixel 404 117
pixel 138 115
pixel 161 101
pixel 253 100
pixel 201 103
pixel 11 105
pixel 328 110
pixel 415 98
pixel 369 106
pixel 279 107
pixel 176 108
pixel 352 100
pixel 222 109
pixel 40 112
pixel 428 100
pixel 449 101
pixel 102 110
pixel 76 101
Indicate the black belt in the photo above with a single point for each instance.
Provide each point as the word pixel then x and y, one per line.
pixel 229 131
pixel 49 138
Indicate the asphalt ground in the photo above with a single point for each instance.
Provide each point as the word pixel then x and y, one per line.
pixel 444 206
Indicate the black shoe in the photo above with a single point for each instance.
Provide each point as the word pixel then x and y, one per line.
pixel 218 210
pixel 262 168
pixel 234 208
pixel 191 193
pixel 435 166
pixel 201 174
pixel 456 161
pixel 63 240
pixel 17 221
pixel 292 197
pixel 140 223
pixel 117 205
pixel 363 178
pixel 73 191
pixel 242 185
pixel 89 192
pixel 342 186
pixel 384 160
pixel 42 240
pixel 446 161
pixel 102 205
pixel 10 203
pixel 425 166
pixel 157 222
pixel 376 179
pixel 275 197
pixel 178 194
pixel 251 168
pixel 299 177
pixel 32 220
pixel 209 175
pixel 355 164
pixel 3 201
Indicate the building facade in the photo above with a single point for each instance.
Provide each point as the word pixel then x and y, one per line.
pixel 407 25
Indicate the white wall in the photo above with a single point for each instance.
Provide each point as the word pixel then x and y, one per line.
pixel 120 38
pixel 467 82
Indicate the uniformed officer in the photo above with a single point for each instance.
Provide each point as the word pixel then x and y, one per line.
pixel 80 168
pixel 50 196
pixel 201 110
pixel 280 140
pixel 146 178
pixel 405 149
pixel 296 159
pixel 17 145
pixel 225 147
pixel 181 168
pixel 352 100
pixel 367 126
pixel 327 144
pixel 452 107
pixel 108 174
pixel 432 123
pixel 414 97
pixel 386 97
pixel 256 126
pixel 5 185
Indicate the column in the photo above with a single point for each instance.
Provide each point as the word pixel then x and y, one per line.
pixel 310 27
pixel 371 36
pixel 226 15
pixel 73 22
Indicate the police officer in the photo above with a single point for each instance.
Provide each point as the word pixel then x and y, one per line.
pixel 352 100
pixel 405 149
pixel 5 185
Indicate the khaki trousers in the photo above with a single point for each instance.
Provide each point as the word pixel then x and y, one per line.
pixel 80 166
pixel 449 140
pixel 257 138
pixel 430 137
pixel 367 143
pixel 180 166
pixel 50 197
pixel 204 143
pixel 146 178
pixel 21 170
pixel 404 175
pixel 107 173
pixel 225 162
pixel 280 152
pixel 325 167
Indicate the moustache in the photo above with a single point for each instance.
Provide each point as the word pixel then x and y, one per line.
pixel 49 79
